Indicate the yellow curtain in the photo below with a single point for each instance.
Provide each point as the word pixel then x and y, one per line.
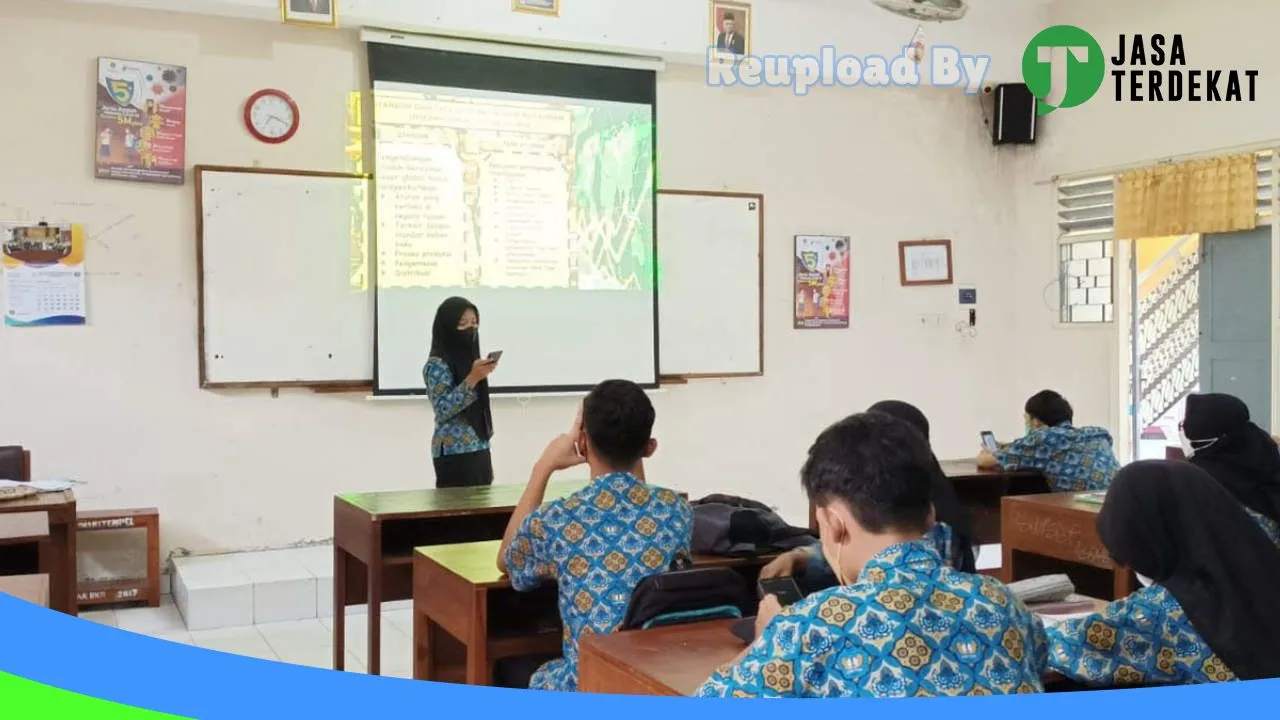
pixel 1212 195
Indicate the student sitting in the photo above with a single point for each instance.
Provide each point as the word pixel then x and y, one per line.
pixel 1072 459
pixel 901 623
pixel 1208 613
pixel 953 534
pixel 600 542
pixel 1218 437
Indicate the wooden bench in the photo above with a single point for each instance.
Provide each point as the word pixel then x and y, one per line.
pixel 108 592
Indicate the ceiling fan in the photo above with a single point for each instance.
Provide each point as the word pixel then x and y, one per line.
pixel 926 10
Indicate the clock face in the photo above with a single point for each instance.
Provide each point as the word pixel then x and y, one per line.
pixel 272 117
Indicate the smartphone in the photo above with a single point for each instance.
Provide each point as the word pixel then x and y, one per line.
pixel 784 588
pixel 495 356
pixel 989 441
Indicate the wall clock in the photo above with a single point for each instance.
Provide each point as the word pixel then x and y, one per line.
pixel 271 116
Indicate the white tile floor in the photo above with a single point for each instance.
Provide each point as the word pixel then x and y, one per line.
pixel 299 642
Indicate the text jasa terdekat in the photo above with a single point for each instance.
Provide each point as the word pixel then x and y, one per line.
pixel 1153 68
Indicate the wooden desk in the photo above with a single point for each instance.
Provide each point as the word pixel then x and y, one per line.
pixel 32 588
pixel 1059 527
pixel 457 589
pixel 672 660
pixel 980 492
pixel 374 535
pixel 58 551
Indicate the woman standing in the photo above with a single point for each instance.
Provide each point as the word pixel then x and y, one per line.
pixel 457 383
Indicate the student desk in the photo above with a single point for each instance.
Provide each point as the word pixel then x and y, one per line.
pixel 1059 527
pixel 671 660
pixel 374 535
pixel 980 492
pixel 457 589
pixel 58 551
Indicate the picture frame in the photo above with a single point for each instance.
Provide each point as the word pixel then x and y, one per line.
pixel 309 13
pixel 734 41
pixel 821 281
pixel 537 7
pixel 924 262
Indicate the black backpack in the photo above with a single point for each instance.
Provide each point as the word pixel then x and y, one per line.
pixel 688 595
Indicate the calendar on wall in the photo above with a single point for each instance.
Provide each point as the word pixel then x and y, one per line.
pixel 43 274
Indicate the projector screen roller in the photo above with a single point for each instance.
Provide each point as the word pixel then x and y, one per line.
pixel 539 210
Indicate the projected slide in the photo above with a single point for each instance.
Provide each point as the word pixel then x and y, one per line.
pixel 537 209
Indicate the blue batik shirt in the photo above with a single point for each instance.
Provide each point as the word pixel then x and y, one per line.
pixel 1072 459
pixel 1145 638
pixel 910 627
pixel 449 397
pixel 597 545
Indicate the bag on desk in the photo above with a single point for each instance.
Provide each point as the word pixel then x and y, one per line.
pixel 680 596
pixel 739 527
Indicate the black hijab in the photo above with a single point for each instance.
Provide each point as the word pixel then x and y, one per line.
pixel 1236 452
pixel 946 504
pixel 459 349
pixel 1170 521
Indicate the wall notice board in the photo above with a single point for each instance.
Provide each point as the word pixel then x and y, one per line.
pixel 710 284
pixel 283 300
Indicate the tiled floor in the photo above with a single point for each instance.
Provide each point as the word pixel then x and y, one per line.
pixel 299 642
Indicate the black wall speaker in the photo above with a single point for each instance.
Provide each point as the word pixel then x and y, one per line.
pixel 1015 115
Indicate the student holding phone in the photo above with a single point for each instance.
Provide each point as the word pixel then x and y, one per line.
pixel 457 381
pixel 901 622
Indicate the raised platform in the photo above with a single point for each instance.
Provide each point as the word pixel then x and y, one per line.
pixel 240 589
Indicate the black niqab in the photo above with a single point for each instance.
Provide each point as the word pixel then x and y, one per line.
pixel 1237 453
pixel 460 349
pixel 1172 522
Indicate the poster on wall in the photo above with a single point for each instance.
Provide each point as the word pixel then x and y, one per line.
pixel 141 129
pixel 43 274
pixel 821 281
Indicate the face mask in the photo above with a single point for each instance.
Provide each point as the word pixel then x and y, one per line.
pixel 1191 447
pixel 1146 581
pixel 835 566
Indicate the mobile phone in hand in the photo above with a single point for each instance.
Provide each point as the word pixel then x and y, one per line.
pixel 494 356
pixel 989 441
pixel 783 588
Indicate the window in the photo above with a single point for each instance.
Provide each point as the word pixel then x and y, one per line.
pixel 1086 249
pixel 1086 242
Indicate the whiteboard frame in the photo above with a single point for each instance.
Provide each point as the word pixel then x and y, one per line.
pixel 328 386
pixel 684 378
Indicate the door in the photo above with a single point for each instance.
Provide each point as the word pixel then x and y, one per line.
pixel 1235 318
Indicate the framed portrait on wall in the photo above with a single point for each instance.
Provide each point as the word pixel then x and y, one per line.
pixel 537 7
pixel 316 13
pixel 730 32
pixel 924 262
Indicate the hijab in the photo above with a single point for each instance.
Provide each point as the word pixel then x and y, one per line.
pixel 946 504
pixel 1235 451
pixel 1171 522
pixel 459 349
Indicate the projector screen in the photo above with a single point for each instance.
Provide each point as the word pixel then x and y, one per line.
pixel 535 205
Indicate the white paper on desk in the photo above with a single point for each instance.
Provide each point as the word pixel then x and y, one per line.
pixel 1056 619
pixel 43 486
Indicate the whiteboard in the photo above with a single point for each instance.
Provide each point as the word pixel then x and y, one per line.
pixel 281 303
pixel 710 278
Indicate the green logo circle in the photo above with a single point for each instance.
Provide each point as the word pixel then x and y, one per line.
pixel 1081 67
